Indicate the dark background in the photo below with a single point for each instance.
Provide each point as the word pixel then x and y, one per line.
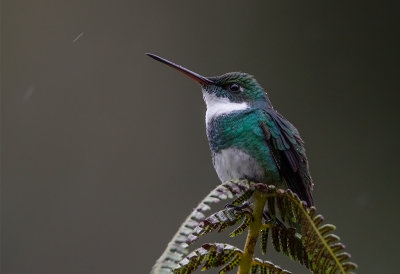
pixel 104 152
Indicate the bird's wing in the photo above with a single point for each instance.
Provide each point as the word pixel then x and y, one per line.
pixel 289 154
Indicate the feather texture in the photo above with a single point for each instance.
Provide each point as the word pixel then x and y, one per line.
pixel 288 151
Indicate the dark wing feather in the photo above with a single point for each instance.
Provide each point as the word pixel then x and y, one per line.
pixel 289 154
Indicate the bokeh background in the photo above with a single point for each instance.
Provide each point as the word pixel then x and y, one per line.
pixel 104 152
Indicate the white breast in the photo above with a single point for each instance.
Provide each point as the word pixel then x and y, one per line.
pixel 233 163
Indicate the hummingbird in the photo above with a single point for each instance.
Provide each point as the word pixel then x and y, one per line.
pixel 248 138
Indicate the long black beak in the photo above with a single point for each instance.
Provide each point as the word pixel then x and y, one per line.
pixel 197 77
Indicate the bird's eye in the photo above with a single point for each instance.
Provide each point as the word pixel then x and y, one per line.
pixel 235 88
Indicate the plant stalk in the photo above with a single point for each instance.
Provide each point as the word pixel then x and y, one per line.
pixel 260 198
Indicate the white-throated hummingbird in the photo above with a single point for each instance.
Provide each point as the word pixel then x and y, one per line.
pixel 248 138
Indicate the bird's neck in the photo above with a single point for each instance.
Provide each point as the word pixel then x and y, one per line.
pixel 217 106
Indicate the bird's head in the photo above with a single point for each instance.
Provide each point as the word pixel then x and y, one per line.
pixel 237 87
pixel 230 91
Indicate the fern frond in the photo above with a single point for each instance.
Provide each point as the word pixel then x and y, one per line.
pixel 177 248
pixel 244 197
pixel 314 245
pixel 259 266
pixel 227 256
pixel 245 224
pixel 294 229
pixel 285 240
pixel 210 255
pixel 220 220
pixel 264 239
pixel 324 249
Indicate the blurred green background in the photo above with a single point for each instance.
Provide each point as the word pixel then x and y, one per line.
pixel 104 152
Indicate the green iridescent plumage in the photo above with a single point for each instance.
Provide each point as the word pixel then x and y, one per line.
pixel 248 138
pixel 241 130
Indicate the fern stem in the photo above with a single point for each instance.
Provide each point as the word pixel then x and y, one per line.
pixel 260 197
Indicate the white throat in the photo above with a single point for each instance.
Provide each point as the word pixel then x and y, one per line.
pixel 217 106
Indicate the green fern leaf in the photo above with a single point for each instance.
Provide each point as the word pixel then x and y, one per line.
pixel 178 248
pixel 245 224
pixel 227 256
pixel 259 266
pixel 313 245
pixel 235 261
pixel 296 230
pixel 264 240
pixel 211 256
pixel 221 220
pixel 242 198
pixel 325 252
